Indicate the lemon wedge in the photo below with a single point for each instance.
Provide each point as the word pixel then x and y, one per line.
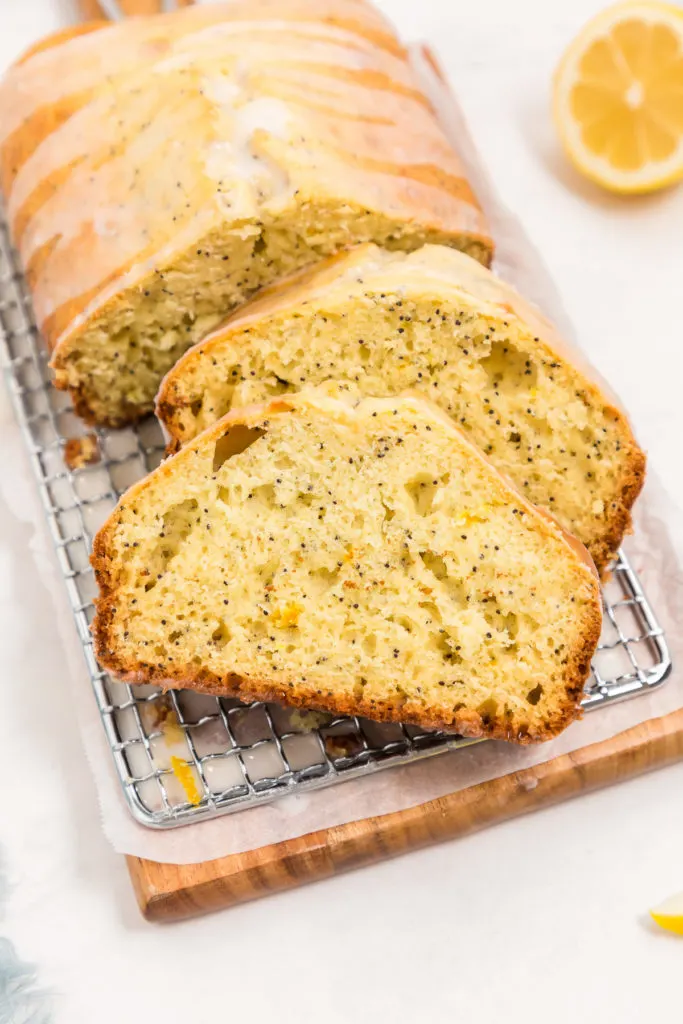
pixel 669 914
pixel 618 97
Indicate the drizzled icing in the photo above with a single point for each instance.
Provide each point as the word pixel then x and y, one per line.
pixel 237 157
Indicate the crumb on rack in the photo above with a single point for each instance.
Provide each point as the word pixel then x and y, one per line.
pixel 166 719
pixel 82 451
pixel 308 721
pixel 342 745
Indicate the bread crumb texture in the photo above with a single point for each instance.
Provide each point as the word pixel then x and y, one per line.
pixel 159 171
pixel 358 559
pixel 436 323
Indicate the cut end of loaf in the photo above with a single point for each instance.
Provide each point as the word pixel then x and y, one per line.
pixel 226 145
pixel 114 363
pixel 435 323
pixel 360 560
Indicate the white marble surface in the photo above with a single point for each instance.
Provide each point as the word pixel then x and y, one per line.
pixel 540 919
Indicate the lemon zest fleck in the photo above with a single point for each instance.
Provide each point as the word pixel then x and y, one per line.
pixel 185 777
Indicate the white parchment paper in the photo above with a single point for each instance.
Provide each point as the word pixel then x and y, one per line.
pixel 652 551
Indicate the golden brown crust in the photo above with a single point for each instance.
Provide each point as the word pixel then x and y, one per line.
pixel 620 522
pixel 83 409
pixel 465 722
pixel 18 145
pixel 63 35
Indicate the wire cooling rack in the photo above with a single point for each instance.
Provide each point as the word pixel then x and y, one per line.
pixel 182 756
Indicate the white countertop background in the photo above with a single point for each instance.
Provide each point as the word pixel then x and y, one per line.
pixel 542 919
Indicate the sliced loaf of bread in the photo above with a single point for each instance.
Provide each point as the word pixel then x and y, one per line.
pixel 159 170
pixel 365 560
pixel 437 322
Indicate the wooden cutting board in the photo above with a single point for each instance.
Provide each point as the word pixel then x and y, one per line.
pixel 168 892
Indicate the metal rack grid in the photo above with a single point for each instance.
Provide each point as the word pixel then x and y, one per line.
pixel 182 756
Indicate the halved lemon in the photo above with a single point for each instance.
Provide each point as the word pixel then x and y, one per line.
pixel 669 914
pixel 618 97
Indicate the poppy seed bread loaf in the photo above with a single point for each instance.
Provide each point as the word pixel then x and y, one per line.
pixel 435 322
pixel 158 171
pixel 360 560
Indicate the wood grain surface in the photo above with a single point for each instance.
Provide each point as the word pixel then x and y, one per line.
pixel 167 892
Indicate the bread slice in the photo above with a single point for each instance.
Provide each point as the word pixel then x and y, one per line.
pixel 364 560
pixel 438 323
pixel 160 170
